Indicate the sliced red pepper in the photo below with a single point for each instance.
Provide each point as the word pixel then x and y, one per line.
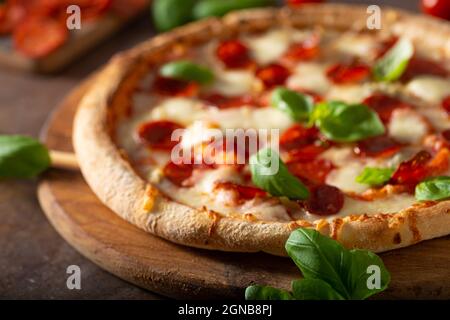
pixel 245 192
pixel 273 75
pixel 412 171
pixel 173 87
pixel 420 66
pixel 380 146
pixel 234 54
pixel 352 73
pixel 224 102
pixel 384 105
pixel 306 50
pixel 311 172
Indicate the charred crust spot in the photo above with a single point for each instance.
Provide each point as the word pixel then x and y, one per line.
pixel 397 238
pixel 413 227
pixel 250 217
pixel 215 217
pixel 335 227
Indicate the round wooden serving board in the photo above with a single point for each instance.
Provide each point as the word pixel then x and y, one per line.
pixel 420 271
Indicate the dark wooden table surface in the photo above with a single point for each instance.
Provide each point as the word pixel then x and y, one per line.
pixel 33 257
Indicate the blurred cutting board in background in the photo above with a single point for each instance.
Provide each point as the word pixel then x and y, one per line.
pixel 79 42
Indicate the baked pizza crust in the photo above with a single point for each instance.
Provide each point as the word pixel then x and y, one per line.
pixel 118 186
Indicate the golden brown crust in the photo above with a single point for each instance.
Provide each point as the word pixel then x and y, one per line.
pixel 114 181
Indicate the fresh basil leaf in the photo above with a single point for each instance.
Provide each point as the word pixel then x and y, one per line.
pixel 266 293
pixel 271 174
pixel 434 189
pixel 22 157
pixel 187 71
pixel 298 106
pixel 346 271
pixel 168 14
pixel 218 8
pixel 375 176
pixel 391 66
pixel 342 122
pixel 314 289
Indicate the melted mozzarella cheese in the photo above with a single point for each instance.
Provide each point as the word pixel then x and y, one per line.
pixel 407 126
pixel 248 117
pixel 344 178
pixel 181 110
pixel 309 76
pixel 233 83
pixel 350 93
pixel 360 45
pixel 198 132
pixel 430 89
pixel 269 47
pixel 390 204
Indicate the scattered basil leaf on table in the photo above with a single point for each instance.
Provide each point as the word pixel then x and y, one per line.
pixel 330 271
pixel 298 106
pixel 266 293
pixel 168 14
pixel 218 8
pixel 314 289
pixel 437 188
pixel 343 122
pixel 271 174
pixel 375 176
pixel 391 66
pixel 22 157
pixel 187 71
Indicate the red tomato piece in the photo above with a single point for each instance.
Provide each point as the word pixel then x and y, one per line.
pixel 11 15
pixel 412 171
pixel 39 36
pixel 223 102
pixel 173 87
pixel 353 73
pixel 325 200
pixel 273 75
pixel 384 105
pixel 302 144
pixel 178 173
pixel 296 3
pixel 245 192
pixel 381 146
pixel 234 54
pixel 92 9
pixel 306 50
pixel 297 137
pixel 446 104
pixel 157 134
pixel 312 172
pixel 419 66
pixel 437 8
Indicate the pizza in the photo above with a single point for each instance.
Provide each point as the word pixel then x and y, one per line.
pixel 354 140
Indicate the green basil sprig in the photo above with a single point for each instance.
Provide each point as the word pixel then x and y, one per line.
pixel 22 157
pixel 375 176
pixel 391 66
pixel 168 14
pixel 187 71
pixel 298 106
pixel 434 189
pixel 218 8
pixel 330 271
pixel 271 174
pixel 343 122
